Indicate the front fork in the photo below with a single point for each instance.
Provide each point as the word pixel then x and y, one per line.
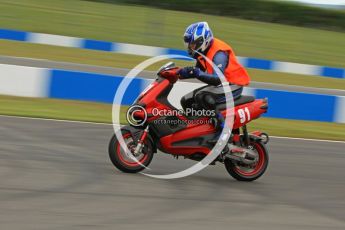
pixel 141 140
pixel 245 135
pixel 236 137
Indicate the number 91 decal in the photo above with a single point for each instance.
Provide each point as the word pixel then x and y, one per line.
pixel 244 115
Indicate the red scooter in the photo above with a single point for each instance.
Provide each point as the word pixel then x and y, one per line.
pixel 190 137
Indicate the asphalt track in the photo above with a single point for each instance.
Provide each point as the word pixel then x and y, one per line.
pixel 57 175
pixel 150 74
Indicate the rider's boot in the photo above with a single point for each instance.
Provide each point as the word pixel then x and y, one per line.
pixel 218 122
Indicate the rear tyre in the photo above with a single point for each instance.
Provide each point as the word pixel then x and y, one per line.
pixel 243 172
pixel 123 160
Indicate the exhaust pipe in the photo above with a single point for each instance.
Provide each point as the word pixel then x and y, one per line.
pixel 243 156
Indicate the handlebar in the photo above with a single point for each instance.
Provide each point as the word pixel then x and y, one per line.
pixel 170 74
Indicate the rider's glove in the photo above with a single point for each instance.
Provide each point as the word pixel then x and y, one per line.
pixel 189 72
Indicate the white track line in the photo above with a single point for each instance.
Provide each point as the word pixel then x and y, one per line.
pixel 307 139
pixel 99 123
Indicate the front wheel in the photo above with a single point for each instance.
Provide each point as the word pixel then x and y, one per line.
pixel 243 172
pixel 125 160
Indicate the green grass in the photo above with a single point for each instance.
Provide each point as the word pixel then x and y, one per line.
pixel 157 27
pixel 57 109
pixel 129 61
pixel 97 112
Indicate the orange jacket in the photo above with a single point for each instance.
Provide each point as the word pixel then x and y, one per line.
pixel 234 73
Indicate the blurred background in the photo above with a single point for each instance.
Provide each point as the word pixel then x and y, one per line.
pixel 64 60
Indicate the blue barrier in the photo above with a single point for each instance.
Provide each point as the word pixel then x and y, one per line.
pixel 14 35
pixel 333 72
pixel 299 106
pixel 255 63
pixel 282 104
pixel 90 87
pixel 107 46
pixel 83 86
pixel 97 45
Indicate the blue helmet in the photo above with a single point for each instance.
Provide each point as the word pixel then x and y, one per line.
pixel 197 37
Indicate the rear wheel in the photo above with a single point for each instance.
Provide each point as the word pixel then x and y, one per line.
pixel 126 161
pixel 245 172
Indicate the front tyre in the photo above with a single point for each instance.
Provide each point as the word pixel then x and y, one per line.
pixel 243 172
pixel 124 160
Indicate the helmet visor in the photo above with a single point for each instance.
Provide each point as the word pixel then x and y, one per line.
pixel 191 46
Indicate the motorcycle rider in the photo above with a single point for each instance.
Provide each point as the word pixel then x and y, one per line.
pixel 198 37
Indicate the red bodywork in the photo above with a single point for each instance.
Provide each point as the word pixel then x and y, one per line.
pixel 245 113
pixel 152 98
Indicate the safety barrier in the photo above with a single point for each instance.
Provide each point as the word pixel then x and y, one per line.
pixel 62 84
pixel 125 48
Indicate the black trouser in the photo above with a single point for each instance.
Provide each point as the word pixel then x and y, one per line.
pixel 208 97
